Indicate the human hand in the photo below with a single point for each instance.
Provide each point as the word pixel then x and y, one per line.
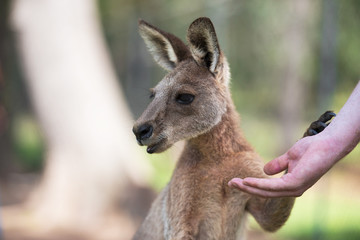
pixel 307 161
pixel 311 157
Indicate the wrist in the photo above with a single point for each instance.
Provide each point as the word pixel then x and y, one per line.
pixel 340 139
pixel 344 130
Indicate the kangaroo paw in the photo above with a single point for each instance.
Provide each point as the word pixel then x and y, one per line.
pixel 320 124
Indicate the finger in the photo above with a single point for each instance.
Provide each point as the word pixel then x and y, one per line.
pixel 238 183
pixel 277 165
pixel 269 184
pixel 285 183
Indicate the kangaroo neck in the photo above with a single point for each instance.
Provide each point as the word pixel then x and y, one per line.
pixel 224 139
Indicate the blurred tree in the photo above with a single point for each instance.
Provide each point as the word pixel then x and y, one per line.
pixel 298 16
pixel 91 155
pixel 348 46
pixel 328 66
pixel 5 144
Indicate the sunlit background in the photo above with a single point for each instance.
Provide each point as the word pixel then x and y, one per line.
pixel 75 74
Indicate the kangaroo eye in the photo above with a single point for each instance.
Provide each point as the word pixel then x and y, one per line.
pixel 185 98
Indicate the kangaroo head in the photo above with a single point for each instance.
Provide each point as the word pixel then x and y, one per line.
pixel 193 96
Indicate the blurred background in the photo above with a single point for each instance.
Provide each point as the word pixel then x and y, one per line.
pixel 75 74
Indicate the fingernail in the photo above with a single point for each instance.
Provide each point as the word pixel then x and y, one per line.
pixel 232 184
pixel 245 182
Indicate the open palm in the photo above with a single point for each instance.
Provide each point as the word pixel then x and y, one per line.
pixel 305 162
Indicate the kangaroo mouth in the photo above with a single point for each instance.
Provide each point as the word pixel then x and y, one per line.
pixel 151 149
pixel 157 147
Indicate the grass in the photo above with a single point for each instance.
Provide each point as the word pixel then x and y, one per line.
pixel 330 210
pixel 324 213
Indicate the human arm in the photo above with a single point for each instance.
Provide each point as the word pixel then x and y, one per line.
pixel 311 157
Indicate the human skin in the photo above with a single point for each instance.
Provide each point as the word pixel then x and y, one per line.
pixel 310 157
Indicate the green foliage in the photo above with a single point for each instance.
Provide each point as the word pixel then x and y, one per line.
pixel 322 215
pixel 163 166
pixel 28 143
pixel 348 44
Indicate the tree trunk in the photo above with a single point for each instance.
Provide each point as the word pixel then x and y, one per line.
pixel 5 149
pixel 91 153
pixel 328 71
pixel 295 48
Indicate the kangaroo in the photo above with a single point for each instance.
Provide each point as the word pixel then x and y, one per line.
pixel 193 103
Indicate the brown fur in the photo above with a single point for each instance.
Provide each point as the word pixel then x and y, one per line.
pixel 198 203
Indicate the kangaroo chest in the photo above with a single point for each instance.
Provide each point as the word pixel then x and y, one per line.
pixel 200 198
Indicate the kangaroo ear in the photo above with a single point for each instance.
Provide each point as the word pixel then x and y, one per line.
pixel 167 50
pixel 203 43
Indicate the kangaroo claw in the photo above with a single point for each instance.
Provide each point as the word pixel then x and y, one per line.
pixel 320 124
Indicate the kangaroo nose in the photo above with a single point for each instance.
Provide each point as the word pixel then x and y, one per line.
pixel 143 132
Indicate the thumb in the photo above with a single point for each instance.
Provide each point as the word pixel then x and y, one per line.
pixel 277 165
